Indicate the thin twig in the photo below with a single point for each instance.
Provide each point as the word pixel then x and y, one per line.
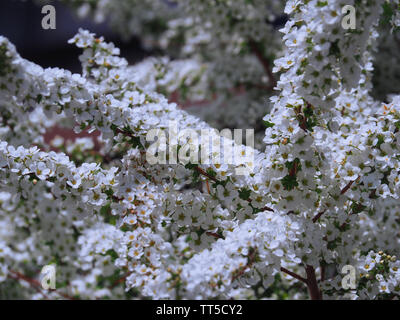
pixel 36 285
pixel 32 282
pixel 215 235
pixel 348 186
pixel 208 187
pixel 315 219
pixel 122 279
pixel 322 267
pixel 343 191
pixel 202 172
pixel 251 259
pixel 267 209
pixel 294 275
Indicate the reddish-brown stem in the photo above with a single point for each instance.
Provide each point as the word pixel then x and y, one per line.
pixel 343 191
pixel 202 172
pixel 293 170
pixel 215 235
pixel 322 267
pixel 32 282
pixel 208 187
pixel 250 261
pixel 315 219
pixel 267 209
pixel 122 279
pixel 35 284
pixel 264 208
pixel 348 186
pixel 125 133
pixel 294 275
pixel 302 118
pixel 312 285
pixel 116 199
pixel 310 281
pixel 372 194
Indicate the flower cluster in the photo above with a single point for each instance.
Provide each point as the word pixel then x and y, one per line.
pixel 322 194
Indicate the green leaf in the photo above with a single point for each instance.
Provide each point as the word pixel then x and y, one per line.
pixel 190 166
pixel 322 3
pixel 109 192
pixel 105 210
pixel 357 207
pixel 268 124
pixel 244 193
pixel 289 182
pixel 387 13
pixel 290 164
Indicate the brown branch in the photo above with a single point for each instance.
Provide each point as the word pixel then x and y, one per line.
pixel 250 261
pixel 348 186
pixel 322 267
pixel 32 282
pixel 262 209
pixel 310 281
pixel 302 117
pixel 208 187
pixel 267 209
pixel 125 133
pixel 372 194
pixel 343 225
pixel 215 235
pixel 294 275
pixel 122 279
pixel 36 285
pixel 343 191
pixel 202 172
pixel 315 219
pixel 117 199
pixel 293 170
pixel 312 285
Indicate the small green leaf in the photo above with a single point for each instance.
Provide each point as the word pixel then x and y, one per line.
pixel 268 124
pixel 289 182
pixel 244 193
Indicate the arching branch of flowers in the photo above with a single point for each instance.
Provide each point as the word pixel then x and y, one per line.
pixel 311 280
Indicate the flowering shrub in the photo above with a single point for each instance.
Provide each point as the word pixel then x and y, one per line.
pixel 322 194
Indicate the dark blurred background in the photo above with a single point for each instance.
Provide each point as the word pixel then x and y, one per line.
pixel 21 23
